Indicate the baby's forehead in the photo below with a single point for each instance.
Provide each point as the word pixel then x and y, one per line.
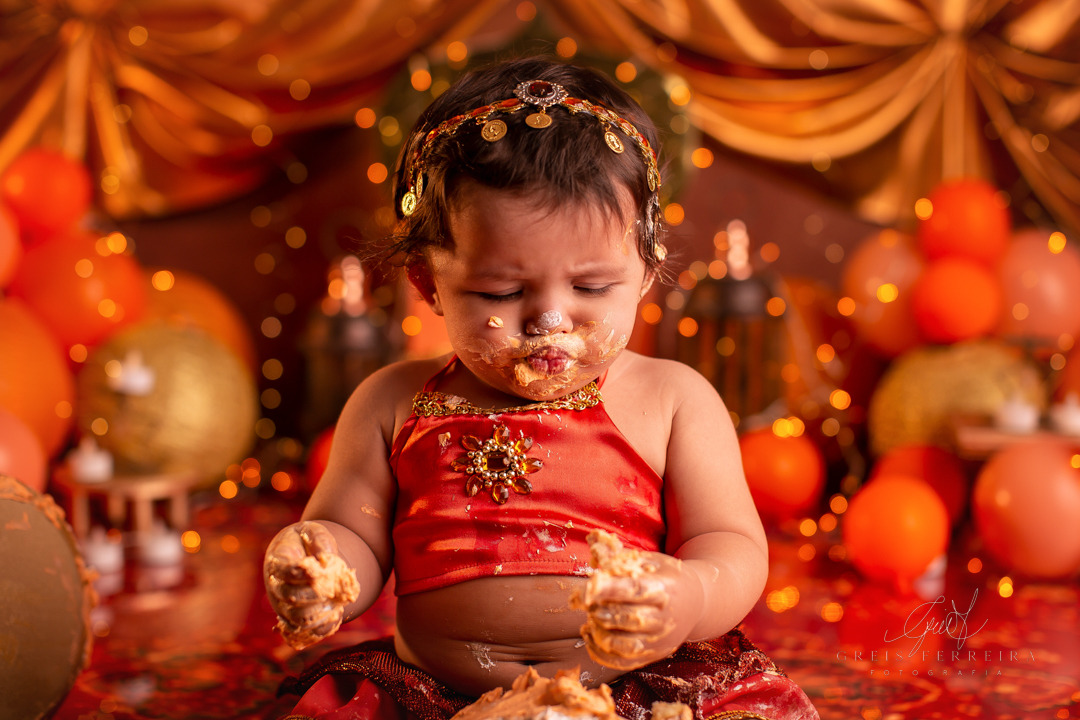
pixel 544 200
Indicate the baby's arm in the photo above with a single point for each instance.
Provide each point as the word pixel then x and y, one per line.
pixel 346 522
pixel 718 559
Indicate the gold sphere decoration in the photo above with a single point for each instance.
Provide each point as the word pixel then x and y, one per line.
pixel 926 388
pixel 168 399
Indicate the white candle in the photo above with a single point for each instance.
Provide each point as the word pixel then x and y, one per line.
pixel 102 552
pixel 90 463
pixel 1017 415
pixel 131 376
pixel 1065 416
pixel 160 546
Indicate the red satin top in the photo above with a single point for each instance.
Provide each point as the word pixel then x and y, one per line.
pixel 540 477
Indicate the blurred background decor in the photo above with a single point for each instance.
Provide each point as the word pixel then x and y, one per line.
pixel 872 211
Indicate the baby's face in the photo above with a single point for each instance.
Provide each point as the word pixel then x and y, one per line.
pixel 538 300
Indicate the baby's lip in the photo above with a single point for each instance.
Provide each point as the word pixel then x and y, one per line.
pixel 549 360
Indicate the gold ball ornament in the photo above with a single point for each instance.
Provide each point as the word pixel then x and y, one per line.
pixel 196 416
pixel 924 389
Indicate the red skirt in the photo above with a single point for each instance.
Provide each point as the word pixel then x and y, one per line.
pixel 724 678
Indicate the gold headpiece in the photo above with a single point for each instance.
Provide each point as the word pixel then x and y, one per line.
pixel 539 94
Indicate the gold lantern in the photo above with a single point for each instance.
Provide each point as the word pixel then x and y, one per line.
pixel 733 336
pixel 345 341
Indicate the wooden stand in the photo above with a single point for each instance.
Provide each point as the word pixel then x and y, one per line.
pixel 140 492
pixel 976 438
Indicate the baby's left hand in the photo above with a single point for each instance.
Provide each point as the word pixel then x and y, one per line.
pixel 638 611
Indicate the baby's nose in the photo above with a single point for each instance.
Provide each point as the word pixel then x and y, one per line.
pixel 545 323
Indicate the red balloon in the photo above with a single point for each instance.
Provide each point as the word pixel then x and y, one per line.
pixel 47 190
pixel 879 277
pixel 956 299
pixel 1040 281
pixel 83 291
pixel 935 466
pixel 318 457
pixel 11 247
pixel 894 528
pixel 1026 504
pixel 35 380
pixel 785 474
pixel 21 454
pixel 968 221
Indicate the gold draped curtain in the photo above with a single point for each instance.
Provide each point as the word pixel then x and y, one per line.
pixel 181 102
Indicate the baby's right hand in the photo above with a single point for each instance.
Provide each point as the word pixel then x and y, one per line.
pixel 308 583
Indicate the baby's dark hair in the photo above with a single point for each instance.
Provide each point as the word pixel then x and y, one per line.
pixel 565 162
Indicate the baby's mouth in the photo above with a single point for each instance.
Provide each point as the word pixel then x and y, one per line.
pixel 549 360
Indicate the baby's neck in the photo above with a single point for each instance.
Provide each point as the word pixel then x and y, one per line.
pixel 461 382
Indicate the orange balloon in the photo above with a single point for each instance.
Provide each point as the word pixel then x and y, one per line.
pixel 21 454
pixel 318 457
pixel 1026 504
pixel 35 381
pixel 879 276
pixel 47 190
pixel 11 247
pixel 183 298
pixel 1040 284
pixel 82 291
pixel 935 466
pixel 956 299
pixel 968 221
pixel 786 474
pixel 894 528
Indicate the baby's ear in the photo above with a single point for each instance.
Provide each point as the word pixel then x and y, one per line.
pixel 420 277
pixel 647 283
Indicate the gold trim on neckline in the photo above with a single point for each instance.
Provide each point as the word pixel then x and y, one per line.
pixel 437 404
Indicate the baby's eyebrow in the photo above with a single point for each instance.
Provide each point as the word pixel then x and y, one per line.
pixel 501 272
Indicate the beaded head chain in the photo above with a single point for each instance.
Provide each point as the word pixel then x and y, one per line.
pixel 539 95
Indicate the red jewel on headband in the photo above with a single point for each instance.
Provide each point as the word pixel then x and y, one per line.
pixel 541 89
pixel 540 93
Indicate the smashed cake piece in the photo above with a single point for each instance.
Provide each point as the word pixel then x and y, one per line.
pixel 613 563
pixel 335 586
pixel 562 697
pixel 622 586
pixel 532 697
pixel 607 554
pixel 671 711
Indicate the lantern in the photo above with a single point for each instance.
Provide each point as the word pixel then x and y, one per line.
pixel 345 341
pixel 732 331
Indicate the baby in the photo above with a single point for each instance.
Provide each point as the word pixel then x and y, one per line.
pixel 530 221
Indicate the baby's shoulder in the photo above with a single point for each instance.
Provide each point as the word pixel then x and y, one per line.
pixel 388 392
pixel 663 376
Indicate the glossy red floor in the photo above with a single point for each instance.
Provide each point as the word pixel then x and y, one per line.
pixel 196 641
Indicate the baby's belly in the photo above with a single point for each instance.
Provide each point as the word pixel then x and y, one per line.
pixel 483 633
